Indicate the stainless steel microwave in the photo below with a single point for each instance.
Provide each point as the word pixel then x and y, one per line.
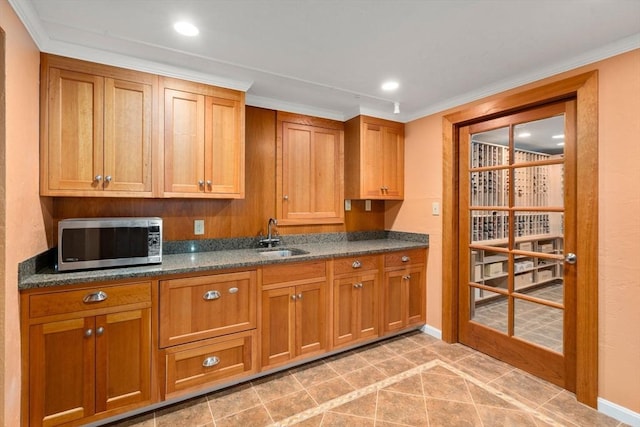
pixel 86 243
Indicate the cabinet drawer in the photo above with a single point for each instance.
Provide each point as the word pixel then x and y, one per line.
pixel 74 300
pixel 402 258
pixel 284 273
pixel 355 264
pixel 196 308
pixel 206 362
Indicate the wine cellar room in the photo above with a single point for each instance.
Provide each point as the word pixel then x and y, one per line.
pixel 516 229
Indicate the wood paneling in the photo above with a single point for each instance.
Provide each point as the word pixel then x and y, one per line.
pixel 226 218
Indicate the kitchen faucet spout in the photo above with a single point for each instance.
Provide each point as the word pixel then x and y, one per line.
pixel 270 241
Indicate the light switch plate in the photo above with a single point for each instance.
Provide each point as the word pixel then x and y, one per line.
pixel 198 227
pixel 367 205
pixel 435 208
pixel 347 205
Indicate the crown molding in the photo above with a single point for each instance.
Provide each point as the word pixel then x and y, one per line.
pixel 291 107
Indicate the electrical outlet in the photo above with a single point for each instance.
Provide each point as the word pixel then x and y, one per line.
pixel 367 205
pixel 198 227
pixel 435 208
pixel 347 205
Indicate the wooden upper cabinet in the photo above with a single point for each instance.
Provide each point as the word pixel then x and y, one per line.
pixel 310 171
pixel 97 130
pixel 374 153
pixel 203 140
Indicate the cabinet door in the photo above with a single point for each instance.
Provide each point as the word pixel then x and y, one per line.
pixel 416 295
pixel 75 132
pixel 123 358
pixel 312 174
pixel 127 136
pixel 224 149
pixel 311 318
pixel 395 300
pixel 373 161
pixel 61 371
pixel 344 310
pixel 393 163
pixel 195 308
pixel 184 141
pixel 368 297
pixel 278 325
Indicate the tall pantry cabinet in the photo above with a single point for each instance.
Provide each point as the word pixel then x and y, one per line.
pixel 97 129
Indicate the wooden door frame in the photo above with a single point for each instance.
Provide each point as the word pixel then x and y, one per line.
pixel 584 88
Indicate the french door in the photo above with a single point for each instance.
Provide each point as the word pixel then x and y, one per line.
pixel 517 210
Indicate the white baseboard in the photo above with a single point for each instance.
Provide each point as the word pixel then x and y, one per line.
pixel 430 330
pixel 618 412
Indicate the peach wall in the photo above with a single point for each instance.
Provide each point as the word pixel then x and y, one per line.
pixel 28 219
pixel 619 213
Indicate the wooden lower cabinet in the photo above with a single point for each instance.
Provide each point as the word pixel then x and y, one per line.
pixel 204 363
pixel 356 296
pixel 84 366
pixel 404 293
pixel 295 311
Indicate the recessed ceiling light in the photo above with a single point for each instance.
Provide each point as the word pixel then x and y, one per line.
pixel 524 135
pixel 390 85
pixel 559 136
pixel 186 28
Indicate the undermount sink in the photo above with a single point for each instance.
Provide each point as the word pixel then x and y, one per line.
pixel 281 253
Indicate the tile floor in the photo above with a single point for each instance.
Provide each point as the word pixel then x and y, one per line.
pixel 410 380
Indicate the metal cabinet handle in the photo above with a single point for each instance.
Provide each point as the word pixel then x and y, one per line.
pixel 211 295
pixel 201 183
pixel 210 361
pixel 233 290
pixel 107 178
pixel 293 297
pixel 285 197
pixel 97 178
pixel 88 332
pixel 100 331
pixel 209 182
pixel 299 296
pixel 405 258
pixel 358 285
pixel 95 297
pixel 571 258
pixel 356 264
pixel 407 277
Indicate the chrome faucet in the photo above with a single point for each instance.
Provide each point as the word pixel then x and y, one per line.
pixel 270 241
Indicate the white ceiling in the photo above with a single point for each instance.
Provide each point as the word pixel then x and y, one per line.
pixel 329 57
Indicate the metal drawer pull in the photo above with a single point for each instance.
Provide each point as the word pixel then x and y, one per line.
pixel 233 290
pixel 405 259
pixel 88 332
pixel 293 297
pixel 94 297
pixel 299 296
pixel 406 277
pixel 210 361
pixel 358 285
pixel 211 295
pixel 356 264
pixel 100 331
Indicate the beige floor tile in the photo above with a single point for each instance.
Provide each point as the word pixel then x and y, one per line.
pixel 422 339
pixel 394 366
pixel 364 406
pixel 445 387
pixel 567 407
pixel 480 396
pixel 530 390
pixel 450 352
pixel 401 345
pixel 188 414
pixel 445 413
pixel 144 420
pixel 329 390
pixel 411 385
pixel 364 377
pixel 289 405
pixel 376 353
pixel 491 416
pixel 483 367
pixel 233 400
pixel 332 419
pixel 345 363
pixel 275 386
pixel 420 356
pixel 401 408
pixel 254 417
pixel 314 373
pixel 310 422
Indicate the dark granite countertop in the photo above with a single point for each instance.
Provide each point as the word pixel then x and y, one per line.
pixel 193 262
